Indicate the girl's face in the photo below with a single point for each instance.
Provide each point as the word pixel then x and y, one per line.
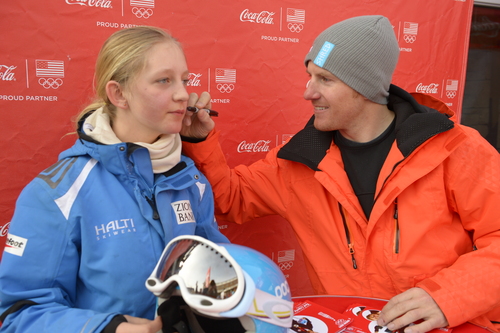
pixel 156 98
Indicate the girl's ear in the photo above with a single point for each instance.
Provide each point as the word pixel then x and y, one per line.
pixel 115 94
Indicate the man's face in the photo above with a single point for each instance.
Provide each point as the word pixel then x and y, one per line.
pixel 336 105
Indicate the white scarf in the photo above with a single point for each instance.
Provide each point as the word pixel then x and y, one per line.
pixel 165 152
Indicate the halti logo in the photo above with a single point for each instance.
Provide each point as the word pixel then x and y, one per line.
pixel 15 245
pixel 114 228
pixel 183 212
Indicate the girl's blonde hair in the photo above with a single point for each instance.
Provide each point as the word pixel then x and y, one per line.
pixel 121 57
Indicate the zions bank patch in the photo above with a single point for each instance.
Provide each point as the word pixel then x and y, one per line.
pixel 15 245
pixel 183 212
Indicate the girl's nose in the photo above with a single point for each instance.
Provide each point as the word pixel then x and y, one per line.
pixel 181 93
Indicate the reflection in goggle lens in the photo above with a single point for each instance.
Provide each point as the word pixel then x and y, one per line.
pixel 204 270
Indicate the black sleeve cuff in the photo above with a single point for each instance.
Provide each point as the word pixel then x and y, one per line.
pixel 192 140
pixel 113 324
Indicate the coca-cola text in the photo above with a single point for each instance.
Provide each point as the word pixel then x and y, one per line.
pixel 264 17
pixel 7 73
pixel 254 147
pixel 428 89
pixel 91 3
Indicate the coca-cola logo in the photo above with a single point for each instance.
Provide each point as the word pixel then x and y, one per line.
pixel 194 80
pixel 254 147
pixel 4 229
pixel 91 3
pixel 7 73
pixel 428 89
pixel 264 17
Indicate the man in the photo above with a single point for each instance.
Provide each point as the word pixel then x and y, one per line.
pixel 388 198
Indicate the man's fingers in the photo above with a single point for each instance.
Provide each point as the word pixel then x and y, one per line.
pixel 414 309
pixel 204 100
pixel 409 317
pixel 396 307
pixel 193 98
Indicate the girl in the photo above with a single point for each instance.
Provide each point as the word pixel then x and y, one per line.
pixel 88 231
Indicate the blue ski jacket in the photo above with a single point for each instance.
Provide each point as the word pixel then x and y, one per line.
pixel 87 233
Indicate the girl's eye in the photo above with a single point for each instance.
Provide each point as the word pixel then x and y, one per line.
pixel 165 80
pixel 185 82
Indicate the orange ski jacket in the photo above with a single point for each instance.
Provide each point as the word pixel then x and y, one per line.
pixel 434 223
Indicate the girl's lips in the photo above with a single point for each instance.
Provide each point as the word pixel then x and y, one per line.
pixel 180 112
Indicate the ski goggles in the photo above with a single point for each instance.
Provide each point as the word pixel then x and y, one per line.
pixel 208 278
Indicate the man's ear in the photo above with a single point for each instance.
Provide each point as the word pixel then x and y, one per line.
pixel 115 94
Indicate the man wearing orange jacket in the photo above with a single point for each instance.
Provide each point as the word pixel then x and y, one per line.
pixel 388 196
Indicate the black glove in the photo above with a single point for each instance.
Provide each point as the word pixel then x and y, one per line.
pixel 172 317
pixel 175 320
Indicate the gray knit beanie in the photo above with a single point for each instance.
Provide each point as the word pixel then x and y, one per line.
pixel 362 52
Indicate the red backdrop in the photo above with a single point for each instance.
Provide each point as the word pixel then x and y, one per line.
pixel 247 53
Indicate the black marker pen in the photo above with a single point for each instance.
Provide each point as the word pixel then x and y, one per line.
pixel 210 112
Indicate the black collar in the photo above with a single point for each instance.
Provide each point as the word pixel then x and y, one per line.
pixel 415 123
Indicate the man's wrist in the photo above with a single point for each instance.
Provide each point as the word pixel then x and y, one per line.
pixel 192 140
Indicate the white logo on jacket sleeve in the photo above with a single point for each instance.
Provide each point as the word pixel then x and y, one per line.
pixel 202 188
pixel 183 212
pixel 15 245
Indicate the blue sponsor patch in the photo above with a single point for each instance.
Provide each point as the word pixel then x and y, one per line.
pixel 323 54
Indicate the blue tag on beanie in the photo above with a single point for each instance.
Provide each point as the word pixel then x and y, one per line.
pixel 323 54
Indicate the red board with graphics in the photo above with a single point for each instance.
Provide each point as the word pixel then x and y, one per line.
pixel 248 54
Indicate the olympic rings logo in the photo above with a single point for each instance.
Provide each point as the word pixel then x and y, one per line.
pixel 451 93
pixel 284 266
pixel 293 27
pixel 50 83
pixel 142 12
pixel 410 38
pixel 225 88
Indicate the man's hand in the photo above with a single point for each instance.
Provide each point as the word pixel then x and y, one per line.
pixel 139 325
pixel 413 305
pixel 198 125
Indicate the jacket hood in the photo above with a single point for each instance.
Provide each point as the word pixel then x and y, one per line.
pixel 415 124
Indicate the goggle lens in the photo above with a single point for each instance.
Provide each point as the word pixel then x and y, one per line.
pixel 203 269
